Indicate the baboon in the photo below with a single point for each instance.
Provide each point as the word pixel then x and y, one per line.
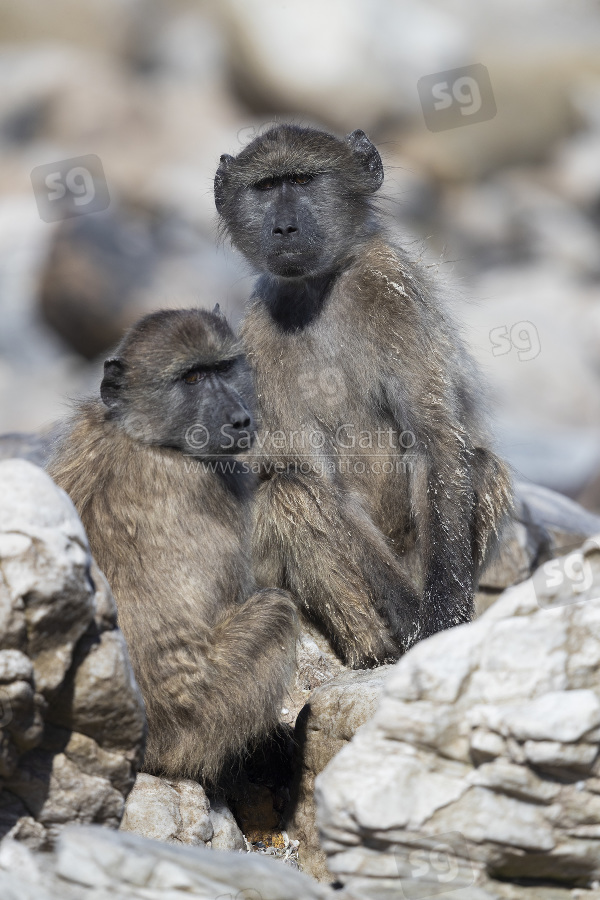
pixel 381 498
pixel 152 469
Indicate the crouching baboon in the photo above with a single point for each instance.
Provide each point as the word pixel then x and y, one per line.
pixel 382 500
pixel 152 470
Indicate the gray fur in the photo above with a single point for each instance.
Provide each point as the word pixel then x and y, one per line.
pixel 212 655
pixel 379 559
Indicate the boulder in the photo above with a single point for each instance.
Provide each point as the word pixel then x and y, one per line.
pixel 177 811
pixel 104 272
pixel 72 726
pixel 338 700
pixel 92 863
pixel 334 713
pixel 481 762
pixel 349 70
pixel 546 525
pixel 35 448
pixel 316 664
pixel 110 26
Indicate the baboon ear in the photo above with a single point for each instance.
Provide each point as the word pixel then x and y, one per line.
pixel 112 383
pixel 221 180
pixel 368 157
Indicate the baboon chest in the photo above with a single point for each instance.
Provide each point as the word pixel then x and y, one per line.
pixel 317 394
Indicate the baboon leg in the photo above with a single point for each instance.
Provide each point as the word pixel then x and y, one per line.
pixel 321 545
pixel 213 698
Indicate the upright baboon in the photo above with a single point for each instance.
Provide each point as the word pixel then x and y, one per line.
pixel 151 468
pixel 382 500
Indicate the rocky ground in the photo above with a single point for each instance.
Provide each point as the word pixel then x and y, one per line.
pixel 481 762
pixel 471 764
pixel 73 727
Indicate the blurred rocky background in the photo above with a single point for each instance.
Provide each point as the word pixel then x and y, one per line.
pixel 121 109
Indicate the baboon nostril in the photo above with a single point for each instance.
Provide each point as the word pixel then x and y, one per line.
pixel 241 422
pixel 285 230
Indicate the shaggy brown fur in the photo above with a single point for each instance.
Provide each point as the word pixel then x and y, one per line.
pixel 381 535
pixel 212 655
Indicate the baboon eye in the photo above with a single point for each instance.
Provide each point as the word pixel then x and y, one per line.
pixel 265 184
pixel 200 372
pixel 193 377
pixel 301 178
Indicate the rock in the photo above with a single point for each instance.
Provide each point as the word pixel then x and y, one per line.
pixel 339 700
pixel 178 811
pixel 106 271
pixel 515 218
pixel 567 523
pixel 226 834
pixel 175 811
pixel 540 357
pixel 316 663
pixel 96 266
pixel 574 172
pixel 35 373
pixel 590 495
pixel 111 26
pixel 532 92
pixel 72 725
pixel 481 761
pixel 546 525
pixel 35 448
pixel 537 454
pixel 352 70
pixel 91 862
pixel 334 713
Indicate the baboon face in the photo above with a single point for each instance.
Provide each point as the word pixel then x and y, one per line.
pixel 296 200
pixel 179 380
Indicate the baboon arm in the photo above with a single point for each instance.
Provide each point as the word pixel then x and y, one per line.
pixel 469 502
pixel 442 501
pixel 324 548
pixel 443 506
pixel 460 496
pixel 211 698
pixel 494 506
